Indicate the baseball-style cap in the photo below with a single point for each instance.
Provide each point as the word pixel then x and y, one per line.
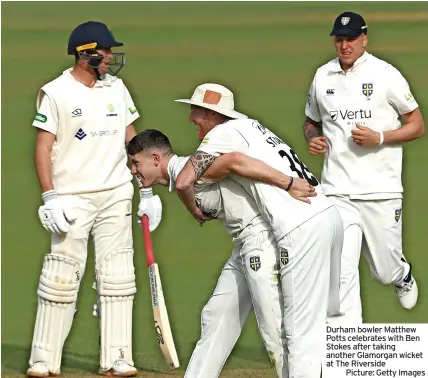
pixel 349 24
pixel 215 97
pixel 91 35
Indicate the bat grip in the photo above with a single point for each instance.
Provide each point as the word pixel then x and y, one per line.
pixel 150 258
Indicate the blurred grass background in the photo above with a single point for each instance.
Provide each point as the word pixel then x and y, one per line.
pixel 267 53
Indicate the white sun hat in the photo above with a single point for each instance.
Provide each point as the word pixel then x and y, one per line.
pixel 214 97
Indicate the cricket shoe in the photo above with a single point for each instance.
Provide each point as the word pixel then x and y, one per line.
pixel 119 369
pixel 408 292
pixel 39 369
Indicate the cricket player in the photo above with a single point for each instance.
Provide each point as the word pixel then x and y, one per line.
pixel 84 118
pixel 250 277
pixel 309 236
pixel 359 112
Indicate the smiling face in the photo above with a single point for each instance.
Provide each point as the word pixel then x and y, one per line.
pixel 147 167
pixel 349 49
pixel 203 120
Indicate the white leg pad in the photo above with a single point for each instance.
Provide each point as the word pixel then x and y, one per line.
pixel 116 288
pixel 58 289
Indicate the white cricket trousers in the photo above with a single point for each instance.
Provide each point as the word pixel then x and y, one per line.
pixel 310 277
pixel 375 227
pixel 249 279
pixel 106 216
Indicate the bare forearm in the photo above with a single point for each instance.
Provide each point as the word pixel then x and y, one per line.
pixel 311 129
pixel 406 133
pixel 44 169
pixel 191 172
pixel 130 133
pixel 256 170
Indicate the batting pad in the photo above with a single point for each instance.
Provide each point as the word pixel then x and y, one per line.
pixel 116 288
pixel 57 291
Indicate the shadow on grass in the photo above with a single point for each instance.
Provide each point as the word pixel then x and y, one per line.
pixel 15 358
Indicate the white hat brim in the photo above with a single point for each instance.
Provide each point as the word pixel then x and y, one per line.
pixel 227 112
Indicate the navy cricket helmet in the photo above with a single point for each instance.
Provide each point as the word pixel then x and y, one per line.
pixel 91 36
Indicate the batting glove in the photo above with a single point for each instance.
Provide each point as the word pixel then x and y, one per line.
pixel 151 206
pixel 53 215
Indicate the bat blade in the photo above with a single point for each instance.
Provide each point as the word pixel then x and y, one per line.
pixel 160 313
pixel 161 319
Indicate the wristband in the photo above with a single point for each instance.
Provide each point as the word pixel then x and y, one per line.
pixel 381 136
pixel 146 193
pixel 290 184
pixel 49 195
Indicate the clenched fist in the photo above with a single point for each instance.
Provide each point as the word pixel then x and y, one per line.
pixel 318 145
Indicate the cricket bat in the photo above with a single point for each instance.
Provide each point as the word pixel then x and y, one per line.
pixel 160 314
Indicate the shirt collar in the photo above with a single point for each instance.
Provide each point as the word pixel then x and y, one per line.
pixel 107 81
pixel 335 64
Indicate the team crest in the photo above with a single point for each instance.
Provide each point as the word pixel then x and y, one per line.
pixel 397 214
pixel 110 108
pixel 284 256
pixel 345 20
pixel 255 263
pixel 367 89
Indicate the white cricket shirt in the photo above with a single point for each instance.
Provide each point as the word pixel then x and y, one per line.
pixel 278 207
pixel 374 94
pixel 226 200
pixel 89 124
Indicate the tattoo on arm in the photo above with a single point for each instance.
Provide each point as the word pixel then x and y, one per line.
pixel 201 161
pixel 311 129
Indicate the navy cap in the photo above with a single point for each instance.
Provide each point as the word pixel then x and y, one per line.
pixel 91 35
pixel 349 24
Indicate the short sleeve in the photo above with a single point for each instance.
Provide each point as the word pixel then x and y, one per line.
pixel 131 111
pixel 311 109
pixel 222 140
pixel 398 94
pixel 47 117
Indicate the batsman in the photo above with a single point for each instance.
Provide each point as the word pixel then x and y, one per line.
pixel 84 119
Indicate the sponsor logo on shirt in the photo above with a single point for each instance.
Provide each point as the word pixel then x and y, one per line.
pixel 80 134
pixel 205 140
pixel 41 118
pixel 111 111
pixel 348 115
pixel 132 109
pixel 408 96
pixel 103 133
pixel 329 92
pixel 76 113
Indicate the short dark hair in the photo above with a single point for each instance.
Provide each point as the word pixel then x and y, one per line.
pixel 147 141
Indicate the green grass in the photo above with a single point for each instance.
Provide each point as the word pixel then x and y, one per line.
pixel 267 54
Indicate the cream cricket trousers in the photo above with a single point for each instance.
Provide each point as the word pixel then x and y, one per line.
pixel 106 216
pixel 310 278
pixel 373 226
pixel 248 280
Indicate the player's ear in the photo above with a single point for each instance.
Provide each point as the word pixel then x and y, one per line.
pixel 156 158
pixel 365 40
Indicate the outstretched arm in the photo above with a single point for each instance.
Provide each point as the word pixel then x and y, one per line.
pixel 254 169
pixel 195 167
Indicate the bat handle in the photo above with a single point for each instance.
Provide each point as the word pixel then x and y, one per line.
pixel 150 258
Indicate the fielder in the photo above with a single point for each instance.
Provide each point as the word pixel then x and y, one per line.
pixel 250 277
pixel 309 236
pixel 84 118
pixel 359 111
